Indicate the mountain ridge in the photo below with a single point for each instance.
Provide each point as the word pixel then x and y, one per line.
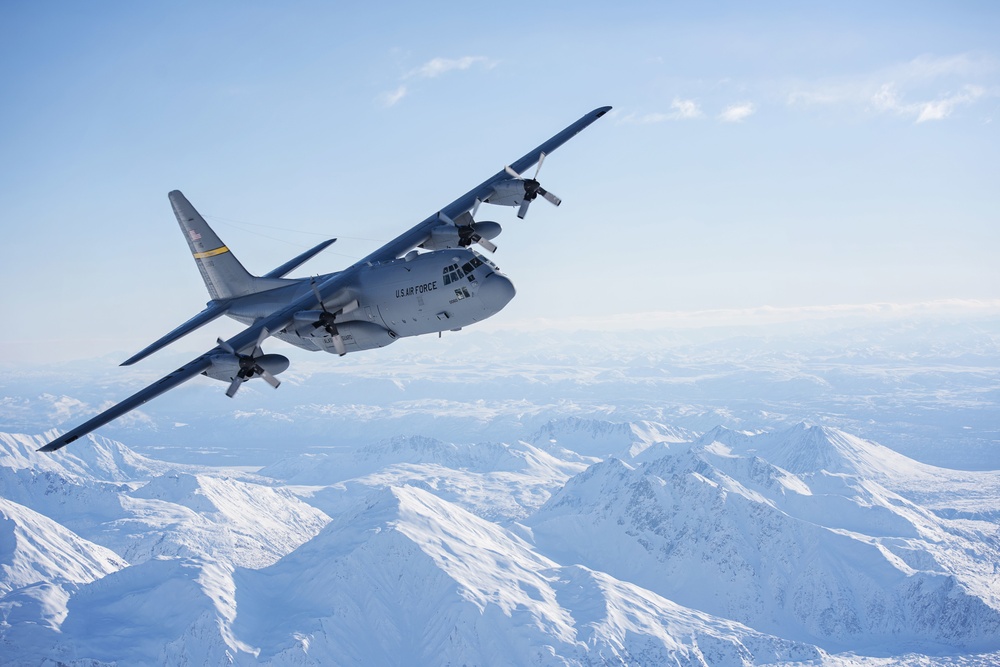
pixel 656 545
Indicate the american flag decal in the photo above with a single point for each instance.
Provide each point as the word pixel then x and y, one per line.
pixel 194 235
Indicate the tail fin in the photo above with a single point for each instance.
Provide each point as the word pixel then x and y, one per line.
pixel 223 274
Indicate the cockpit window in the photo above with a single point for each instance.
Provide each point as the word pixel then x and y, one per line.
pixel 484 260
pixel 452 274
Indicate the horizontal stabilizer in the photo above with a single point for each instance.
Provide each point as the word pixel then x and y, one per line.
pixel 298 261
pixel 213 311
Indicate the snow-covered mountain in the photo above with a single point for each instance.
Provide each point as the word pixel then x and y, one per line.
pixel 407 578
pixel 828 555
pixel 155 509
pixel 598 439
pixel 584 542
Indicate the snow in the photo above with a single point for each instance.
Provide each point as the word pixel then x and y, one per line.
pixel 829 558
pixel 582 542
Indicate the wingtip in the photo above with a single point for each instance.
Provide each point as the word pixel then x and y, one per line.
pixel 138 356
pixel 601 111
pixel 57 444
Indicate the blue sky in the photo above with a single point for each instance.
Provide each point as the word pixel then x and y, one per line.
pixel 759 154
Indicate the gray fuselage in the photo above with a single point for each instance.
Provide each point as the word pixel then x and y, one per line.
pixel 424 293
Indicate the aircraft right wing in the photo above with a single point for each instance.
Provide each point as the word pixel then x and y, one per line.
pixel 421 232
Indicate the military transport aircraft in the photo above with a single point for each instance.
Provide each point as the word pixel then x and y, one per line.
pixel 426 280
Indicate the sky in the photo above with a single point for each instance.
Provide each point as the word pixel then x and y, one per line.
pixel 759 155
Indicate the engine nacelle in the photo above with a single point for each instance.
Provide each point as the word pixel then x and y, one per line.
pixel 487 229
pixel 506 193
pixel 305 323
pixel 226 366
pixel 452 236
pixel 442 236
pixel 355 334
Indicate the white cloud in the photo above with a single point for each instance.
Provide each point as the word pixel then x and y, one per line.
pixel 942 108
pixel 65 407
pixel 432 69
pixel 921 89
pixel 437 66
pixel 737 113
pixel 392 97
pixel 684 109
pixel 680 110
pixel 889 99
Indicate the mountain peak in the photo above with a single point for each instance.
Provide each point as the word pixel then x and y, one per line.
pixel 34 548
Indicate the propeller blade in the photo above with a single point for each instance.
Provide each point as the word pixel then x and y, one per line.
pixel 523 210
pixel 549 196
pixel 475 207
pixel 234 387
pixel 264 373
pixel 338 345
pixel 319 297
pixel 513 173
pixel 264 333
pixel 226 347
pixel 541 159
pixel 485 243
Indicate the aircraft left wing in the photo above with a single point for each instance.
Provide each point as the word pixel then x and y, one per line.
pixel 246 339
pixel 182 374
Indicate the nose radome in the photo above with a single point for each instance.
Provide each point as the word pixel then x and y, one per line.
pixel 496 292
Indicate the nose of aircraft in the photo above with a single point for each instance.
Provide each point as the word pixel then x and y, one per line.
pixel 496 292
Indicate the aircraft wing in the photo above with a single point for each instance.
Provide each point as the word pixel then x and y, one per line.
pixel 246 339
pixel 421 232
pixel 249 337
pixel 182 374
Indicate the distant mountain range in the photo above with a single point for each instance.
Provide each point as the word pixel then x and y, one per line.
pixel 587 542
pixel 925 387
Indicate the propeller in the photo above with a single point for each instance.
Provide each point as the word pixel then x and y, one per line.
pixel 532 188
pixel 467 232
pixel 248 365
pixel 328 320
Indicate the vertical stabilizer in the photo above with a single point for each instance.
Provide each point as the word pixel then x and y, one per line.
pixel 223 274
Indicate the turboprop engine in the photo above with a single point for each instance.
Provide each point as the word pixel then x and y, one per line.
pixel 235 368
pixel 226 366
pixel 353 335
pixel 450 235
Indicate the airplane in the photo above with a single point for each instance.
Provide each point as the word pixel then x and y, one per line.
pixel 428 279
